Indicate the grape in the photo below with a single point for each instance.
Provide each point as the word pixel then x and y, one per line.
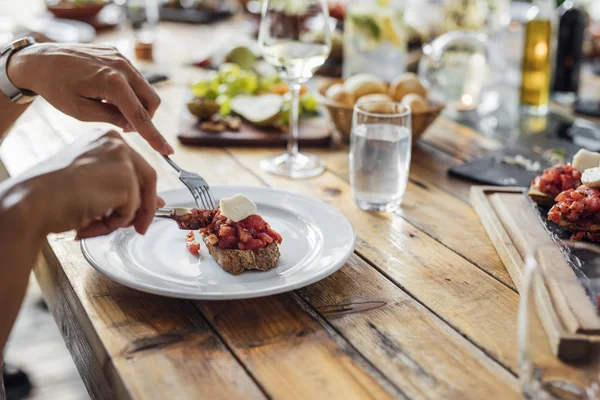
pixel 228 69
pixel 248 82
pixel 224 102
pixel 200 88
pixel 224 88
pixel 309 103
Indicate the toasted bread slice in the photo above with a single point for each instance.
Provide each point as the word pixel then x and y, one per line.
pixel 237 261
pixel 541 198
pixel 579 226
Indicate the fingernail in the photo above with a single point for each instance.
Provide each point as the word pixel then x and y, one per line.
pixel 160 202
pixel 128 128
pixel 168 149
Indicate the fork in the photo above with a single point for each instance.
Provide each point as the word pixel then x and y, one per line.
pixel 196 185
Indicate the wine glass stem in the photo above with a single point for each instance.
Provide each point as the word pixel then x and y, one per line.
pixel 294 111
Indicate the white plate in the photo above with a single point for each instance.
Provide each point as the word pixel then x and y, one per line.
pixel 317 241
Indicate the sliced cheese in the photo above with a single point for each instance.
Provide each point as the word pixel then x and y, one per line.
pixel 591 177
pixel 585 159
pixel 237 208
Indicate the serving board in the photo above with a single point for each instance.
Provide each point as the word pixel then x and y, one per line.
pixel 313 132
pixel 516 227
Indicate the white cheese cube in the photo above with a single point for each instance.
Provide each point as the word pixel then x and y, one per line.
pixel 237 208
pixel 585 159
pixel 591 177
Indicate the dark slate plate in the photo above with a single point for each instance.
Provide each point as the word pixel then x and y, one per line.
pixel 561 133
pixel 194 16
pixel 490 170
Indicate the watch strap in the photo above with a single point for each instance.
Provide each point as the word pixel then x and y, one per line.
pixel 15 94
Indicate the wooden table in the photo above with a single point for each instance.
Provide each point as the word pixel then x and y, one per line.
pixel 423 309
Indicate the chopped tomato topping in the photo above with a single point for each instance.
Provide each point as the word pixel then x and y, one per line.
pixel 557 179
pixel 191 244
pixel 581 204
pixel 197 219
pixel 251 233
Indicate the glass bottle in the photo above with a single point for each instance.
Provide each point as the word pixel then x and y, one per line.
pixel 375 38
pixel 144 17
pixel 569 52
pixel 536 67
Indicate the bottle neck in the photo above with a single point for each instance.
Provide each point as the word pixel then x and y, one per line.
pixel 544 9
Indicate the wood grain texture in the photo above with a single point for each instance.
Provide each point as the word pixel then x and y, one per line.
pixel 456 225
pixel 476 304
pixel 128 337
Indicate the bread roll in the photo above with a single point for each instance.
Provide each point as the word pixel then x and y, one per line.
pixel 340 95
pixel 375 97
pixel 362 84
pixel 416 103
pixel 407 83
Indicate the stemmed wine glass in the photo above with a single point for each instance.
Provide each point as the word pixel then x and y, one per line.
pixel 294 37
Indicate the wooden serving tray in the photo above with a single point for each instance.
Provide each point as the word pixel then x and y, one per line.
pixel 516 228
pixel 313 132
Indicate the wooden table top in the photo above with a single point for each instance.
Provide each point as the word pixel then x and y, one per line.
pixel 423 309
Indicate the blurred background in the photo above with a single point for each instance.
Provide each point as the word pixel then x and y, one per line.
pixel 468 53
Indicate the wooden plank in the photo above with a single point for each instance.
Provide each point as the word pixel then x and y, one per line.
pixel 458 140
pixel 411 345
pixel 455 224
pixel 496 232
pixel 470 300
pixel 118 335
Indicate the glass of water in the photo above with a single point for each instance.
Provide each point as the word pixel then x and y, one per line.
pixel 380 148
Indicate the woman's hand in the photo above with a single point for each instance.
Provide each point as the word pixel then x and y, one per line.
pixel 90 83
pixel 95 186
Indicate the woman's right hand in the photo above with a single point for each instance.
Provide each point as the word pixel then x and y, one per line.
pixel 95 186
pixel 90 83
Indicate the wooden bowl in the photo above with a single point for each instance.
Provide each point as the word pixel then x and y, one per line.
pixel 65 10
pixel 341 116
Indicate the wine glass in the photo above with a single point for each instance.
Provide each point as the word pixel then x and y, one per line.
pixel 294 37
pixel 554 361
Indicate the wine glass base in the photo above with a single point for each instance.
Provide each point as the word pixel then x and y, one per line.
pixel 295 166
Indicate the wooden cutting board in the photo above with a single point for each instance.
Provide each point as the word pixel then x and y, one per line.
pixel 313 132
pixel 516 227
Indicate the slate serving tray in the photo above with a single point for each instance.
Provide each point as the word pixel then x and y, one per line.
pixel 562 133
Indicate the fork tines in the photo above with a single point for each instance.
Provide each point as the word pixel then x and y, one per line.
pixel 196 185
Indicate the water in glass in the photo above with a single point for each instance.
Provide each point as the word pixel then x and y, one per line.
pixel 379 162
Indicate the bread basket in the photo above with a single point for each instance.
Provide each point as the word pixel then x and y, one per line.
pixel 341 116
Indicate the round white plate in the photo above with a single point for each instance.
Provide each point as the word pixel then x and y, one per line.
pixel 317 241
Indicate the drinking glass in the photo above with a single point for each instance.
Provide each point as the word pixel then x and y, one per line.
pixel 295 37
pixel 380 146
pixel 375 38
pixel 558 275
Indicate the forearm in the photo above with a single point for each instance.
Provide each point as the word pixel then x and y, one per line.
pixel 9 112
pixel 20 240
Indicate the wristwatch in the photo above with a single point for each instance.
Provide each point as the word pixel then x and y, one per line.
pixel 15 94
